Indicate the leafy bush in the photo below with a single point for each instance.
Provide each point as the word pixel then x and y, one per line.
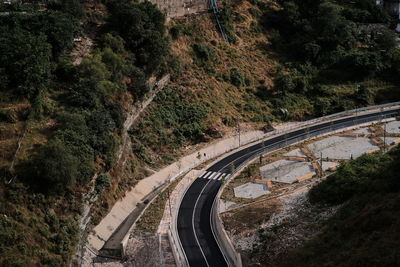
pixel 179 30
pixel 237 78
pixel 102 182
pixel 54 168
pixel 204 52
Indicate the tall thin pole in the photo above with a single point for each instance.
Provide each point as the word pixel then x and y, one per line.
pixel 384 137
pixel 321 165
pixel 239 133
pixel 169 202
pixel 238 128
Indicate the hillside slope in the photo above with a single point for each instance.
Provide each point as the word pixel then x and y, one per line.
pixel 364 231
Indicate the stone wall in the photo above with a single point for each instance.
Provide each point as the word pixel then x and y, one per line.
pixel 180 8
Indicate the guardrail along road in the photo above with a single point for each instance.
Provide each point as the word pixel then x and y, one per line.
pixel 194 216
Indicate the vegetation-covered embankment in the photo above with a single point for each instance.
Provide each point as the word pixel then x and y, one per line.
pixel 365 230
pixel 73 114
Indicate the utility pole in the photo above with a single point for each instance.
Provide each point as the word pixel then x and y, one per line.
pixel 238 127
pixel 384 137
pixel 321 165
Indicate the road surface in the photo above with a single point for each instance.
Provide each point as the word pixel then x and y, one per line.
pixel 193 222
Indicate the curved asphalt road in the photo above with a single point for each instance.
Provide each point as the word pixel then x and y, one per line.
pixel 194 226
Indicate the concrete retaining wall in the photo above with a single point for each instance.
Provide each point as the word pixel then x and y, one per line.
pixel 180 8
pixel 232 257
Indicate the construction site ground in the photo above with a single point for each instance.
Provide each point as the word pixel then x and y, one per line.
pixel 284 218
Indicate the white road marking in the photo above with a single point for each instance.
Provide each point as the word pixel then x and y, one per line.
pixel 216 176
pixel 205 177
pixel 212 175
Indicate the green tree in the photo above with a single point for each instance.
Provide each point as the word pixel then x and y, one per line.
pixel 141 25
pixel 71 7
pixel 54 167
pixel 25 65
pixel 60 29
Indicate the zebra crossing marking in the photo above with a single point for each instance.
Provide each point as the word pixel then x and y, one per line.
pixel 214 175
pixel 208 173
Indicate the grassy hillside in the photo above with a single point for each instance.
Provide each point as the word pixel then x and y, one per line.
pixel 265 73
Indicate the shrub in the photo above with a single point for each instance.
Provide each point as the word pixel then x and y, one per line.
pixel 203 52
pixel 54 168
pixel 178 30
pixel 237 78
pixel 102 182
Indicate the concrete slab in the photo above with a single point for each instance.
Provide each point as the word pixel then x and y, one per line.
pixel 295 153
pixel 340 147
pixel 393 127
pixel 328 165
pixel 287 171
pixel 250 190
pixel 363 131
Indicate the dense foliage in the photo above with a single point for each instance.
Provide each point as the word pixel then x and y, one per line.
pixel 367 226
pixel 141 25
pixel 74 112
pixel 25 65
pixel 324 43
pixel 34 58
